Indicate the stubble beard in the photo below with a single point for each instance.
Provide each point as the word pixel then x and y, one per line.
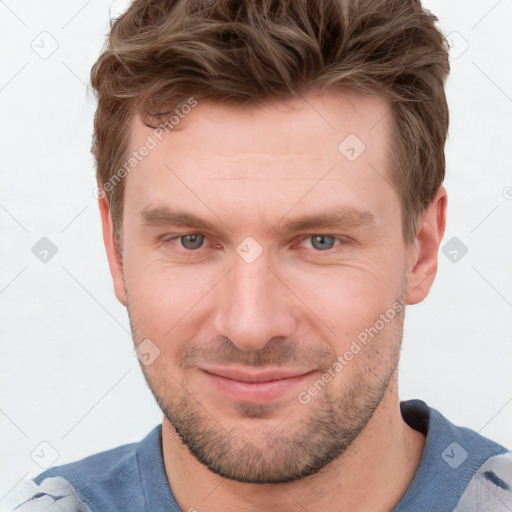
pixel 302 444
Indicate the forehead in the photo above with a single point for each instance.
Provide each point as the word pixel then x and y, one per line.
pixel 274 127
pixel 274 153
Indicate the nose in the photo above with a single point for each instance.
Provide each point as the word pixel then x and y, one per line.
pixel 254 305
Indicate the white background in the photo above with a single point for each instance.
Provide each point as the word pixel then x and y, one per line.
pixel 68 375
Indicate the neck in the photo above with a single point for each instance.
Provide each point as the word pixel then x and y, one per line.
pixel 372 475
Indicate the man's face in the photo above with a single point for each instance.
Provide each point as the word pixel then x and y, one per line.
pixel 253 306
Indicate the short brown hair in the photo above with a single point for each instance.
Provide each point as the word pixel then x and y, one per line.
pixel 160 53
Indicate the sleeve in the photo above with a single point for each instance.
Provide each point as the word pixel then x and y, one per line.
pixel 52 495
pixel 490 489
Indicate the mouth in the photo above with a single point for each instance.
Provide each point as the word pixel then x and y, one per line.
pixel 261 386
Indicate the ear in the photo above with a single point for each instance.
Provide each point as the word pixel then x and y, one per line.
pixel 422 253
pixel 114 258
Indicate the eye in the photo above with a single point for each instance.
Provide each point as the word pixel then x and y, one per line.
pixel 192 241
pixel 322 242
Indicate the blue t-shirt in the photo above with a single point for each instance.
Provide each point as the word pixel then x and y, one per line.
pixel 460 471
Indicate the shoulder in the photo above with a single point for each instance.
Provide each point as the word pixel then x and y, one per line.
pixel 53 494
pixel 490 488
pixel 108 480
pixel 460 470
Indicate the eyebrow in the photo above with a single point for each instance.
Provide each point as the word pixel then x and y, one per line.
pixel 335 218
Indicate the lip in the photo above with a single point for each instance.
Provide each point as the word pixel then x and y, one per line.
pixel 259 386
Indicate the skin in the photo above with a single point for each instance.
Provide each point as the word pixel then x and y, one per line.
pixel 248 171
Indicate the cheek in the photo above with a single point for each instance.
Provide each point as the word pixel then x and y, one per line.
pixel 165 300
pixel 175 302
pixel 349 299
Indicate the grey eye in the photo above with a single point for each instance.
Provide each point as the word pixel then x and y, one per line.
pixel 322 242
pixel 192 241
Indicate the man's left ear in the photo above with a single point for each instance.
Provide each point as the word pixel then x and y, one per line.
pixel 422 253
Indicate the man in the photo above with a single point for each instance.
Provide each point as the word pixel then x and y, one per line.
pixel 270 186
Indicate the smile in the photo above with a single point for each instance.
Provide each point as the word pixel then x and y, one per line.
pixel 255 387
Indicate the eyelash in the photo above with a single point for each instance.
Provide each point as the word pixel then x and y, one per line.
pixel 341 239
